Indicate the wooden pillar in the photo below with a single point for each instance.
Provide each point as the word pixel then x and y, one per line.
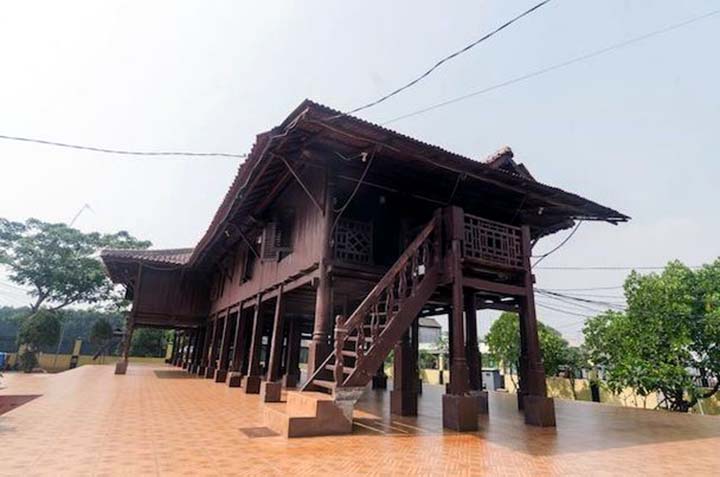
pixel 197 350
pixel 473 353
pixel 121 366
pixel 459 406
pixel 235 374
pixel 471 342
pixel 320 345
pixel 539 409
pixel 403 397
pixel 379 380
pixel 415 342
pixel 292 356
pixel 173 353
pixel 212 350
pixel 251 382
pixel 224 351
pixel 204 349
pixel 188 347
pixel 271 389
pixel 177 346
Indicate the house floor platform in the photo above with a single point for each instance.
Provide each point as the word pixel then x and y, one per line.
pixel 158 420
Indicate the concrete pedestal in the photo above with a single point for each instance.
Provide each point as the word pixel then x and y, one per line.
pixel 234 379
pixel 403 403
pixel 210 372
pixel 271 391
pixel 539 411
pixel 251 384
pixel 460 412
pixel 121 367
pixel 221 375
pixel 482 401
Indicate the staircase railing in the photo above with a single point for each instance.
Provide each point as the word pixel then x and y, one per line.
pixel 357 335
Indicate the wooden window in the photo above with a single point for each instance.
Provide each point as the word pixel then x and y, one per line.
pixel 277 235
pixel 248 266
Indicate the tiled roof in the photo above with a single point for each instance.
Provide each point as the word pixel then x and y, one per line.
pixel 173 256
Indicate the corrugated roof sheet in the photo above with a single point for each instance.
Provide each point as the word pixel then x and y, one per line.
pixel 175 256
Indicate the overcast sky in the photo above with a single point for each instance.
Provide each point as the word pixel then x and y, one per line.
pixel 636 129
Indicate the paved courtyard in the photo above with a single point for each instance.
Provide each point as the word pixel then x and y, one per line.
pixel 158 421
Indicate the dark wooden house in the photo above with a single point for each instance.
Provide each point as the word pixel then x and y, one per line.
pixel 340 234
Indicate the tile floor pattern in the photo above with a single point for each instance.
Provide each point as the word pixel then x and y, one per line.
pixel 156 421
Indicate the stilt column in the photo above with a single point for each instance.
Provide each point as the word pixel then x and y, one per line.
pixel 403 397
pixel 319 348
pixel 271 389
pixel 539 409
pixel 251 382
pixel 292 355
pixel 459 406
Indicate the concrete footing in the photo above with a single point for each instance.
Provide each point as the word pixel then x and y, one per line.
pixel 234 379
pixel 460 412
pixel 221 375
pixel 121 367
pixel 210 372
pixel 482 401
pixel 403 403
pixel 271 391
pixel 251 384
pixel 539 411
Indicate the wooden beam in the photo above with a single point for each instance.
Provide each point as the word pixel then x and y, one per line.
pixel 302 184
pixel 494 287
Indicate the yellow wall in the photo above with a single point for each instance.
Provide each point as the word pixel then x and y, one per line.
pixel 560 388
pixel 50 364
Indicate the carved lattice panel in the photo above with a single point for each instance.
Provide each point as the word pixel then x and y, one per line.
pixel 493 242
pixel 353 241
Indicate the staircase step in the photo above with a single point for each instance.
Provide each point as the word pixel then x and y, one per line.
pixel 346 369
pixel 368 339
pixel 307 414
pixel 324 384
pixel 350 353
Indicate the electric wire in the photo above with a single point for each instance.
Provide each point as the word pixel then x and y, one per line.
pixel 121 151
pixel 444 60
pixel 559 246
pixel 548 69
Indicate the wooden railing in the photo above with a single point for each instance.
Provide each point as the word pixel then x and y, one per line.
pixel 492 243
pixel 357 336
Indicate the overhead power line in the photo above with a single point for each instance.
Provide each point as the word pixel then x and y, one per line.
pixel 444 60
pixel 548 69
pixel 590 268
pixel 121 151
pixel 559 246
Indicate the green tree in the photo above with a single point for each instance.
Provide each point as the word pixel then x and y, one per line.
pixel 58 263
pixel 148 342
pixel 101 331
pixel 669 332
pixel 39 330
pixel 574 361
pixel 503 342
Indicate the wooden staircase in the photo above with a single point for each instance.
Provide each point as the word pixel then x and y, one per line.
pixel 364 340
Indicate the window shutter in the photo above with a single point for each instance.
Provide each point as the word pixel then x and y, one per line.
pixel 269 251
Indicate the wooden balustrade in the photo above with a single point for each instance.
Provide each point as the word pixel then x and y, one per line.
pixel 492 243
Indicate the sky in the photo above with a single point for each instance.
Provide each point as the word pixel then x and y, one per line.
pixel 635 129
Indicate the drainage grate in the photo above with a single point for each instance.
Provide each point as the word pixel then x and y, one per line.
pixel 253 432
pixel 8 403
